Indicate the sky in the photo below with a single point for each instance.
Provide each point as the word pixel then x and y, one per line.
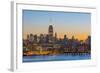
pixel 69 23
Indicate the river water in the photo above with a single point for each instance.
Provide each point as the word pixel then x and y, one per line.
pixel 55 58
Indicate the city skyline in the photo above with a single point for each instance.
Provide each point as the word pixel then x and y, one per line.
pixel 69 23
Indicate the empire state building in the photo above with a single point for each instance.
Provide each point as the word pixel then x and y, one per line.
pixel 50 30
pixel 50 33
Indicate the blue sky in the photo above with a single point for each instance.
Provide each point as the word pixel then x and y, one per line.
pixel 37 22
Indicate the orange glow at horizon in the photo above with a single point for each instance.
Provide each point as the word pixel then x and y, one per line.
pixel 79 36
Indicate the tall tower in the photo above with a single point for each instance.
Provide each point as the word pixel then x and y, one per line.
pixel 50 33
pixel 50 30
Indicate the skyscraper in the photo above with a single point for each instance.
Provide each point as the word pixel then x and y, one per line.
pixel 50 33
pixel 50 30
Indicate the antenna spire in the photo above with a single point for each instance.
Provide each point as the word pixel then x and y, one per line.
pixel 50 21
